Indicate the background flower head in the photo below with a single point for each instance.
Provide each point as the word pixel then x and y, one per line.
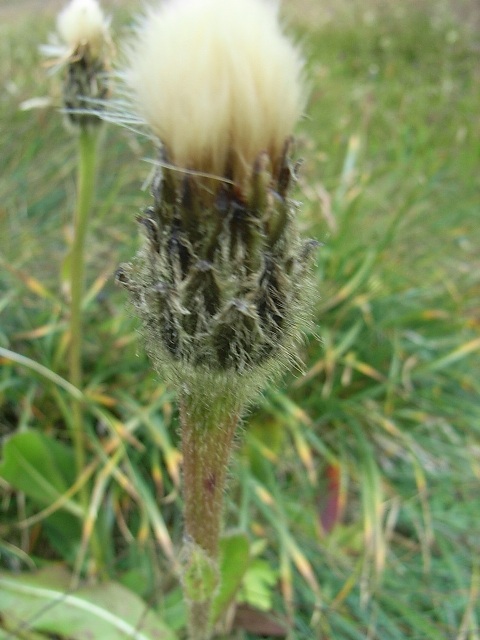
pixel 83 23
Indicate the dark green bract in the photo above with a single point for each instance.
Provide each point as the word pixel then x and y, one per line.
pixel 222 278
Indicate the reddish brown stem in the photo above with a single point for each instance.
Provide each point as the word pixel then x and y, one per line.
pixel 206 451
pixel 207 438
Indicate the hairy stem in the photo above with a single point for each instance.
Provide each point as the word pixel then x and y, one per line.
pixel 87 149
pixel 207 439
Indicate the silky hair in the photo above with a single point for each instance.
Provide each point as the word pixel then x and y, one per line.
pixel 82 22
pixel 216 81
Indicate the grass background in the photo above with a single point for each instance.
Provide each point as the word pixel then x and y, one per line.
pixel 358 481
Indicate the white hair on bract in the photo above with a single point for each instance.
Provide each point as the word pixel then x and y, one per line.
pixel 82 22
pixel 217 81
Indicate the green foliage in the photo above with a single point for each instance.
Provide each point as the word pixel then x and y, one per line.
pixel 108 611
pixel 357 487
pixel 41 467
pixel 43 470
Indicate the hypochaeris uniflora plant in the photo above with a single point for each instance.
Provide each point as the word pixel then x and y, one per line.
pixel 81 51
pixel 221 281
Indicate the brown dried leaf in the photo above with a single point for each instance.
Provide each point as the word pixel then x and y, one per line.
pixel 269 624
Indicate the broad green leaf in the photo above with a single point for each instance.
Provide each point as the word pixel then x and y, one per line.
pixel 44 602
pixel 234 561
pixel 41 467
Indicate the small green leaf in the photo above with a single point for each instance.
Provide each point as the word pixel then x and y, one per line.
pixel 199 574
pixel 41 467
pixel 44 602
pixel 258 584
pixel 234 561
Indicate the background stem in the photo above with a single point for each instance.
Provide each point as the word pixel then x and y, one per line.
pixel 87 151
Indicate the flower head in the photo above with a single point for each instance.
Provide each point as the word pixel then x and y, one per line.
pixel 220 282
pixel 82 23
pixel 216 81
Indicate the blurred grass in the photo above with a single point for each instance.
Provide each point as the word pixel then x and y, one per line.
pixel 358 481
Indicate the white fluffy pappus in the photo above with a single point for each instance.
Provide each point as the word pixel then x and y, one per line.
pixel 82 22
pixel 217 81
